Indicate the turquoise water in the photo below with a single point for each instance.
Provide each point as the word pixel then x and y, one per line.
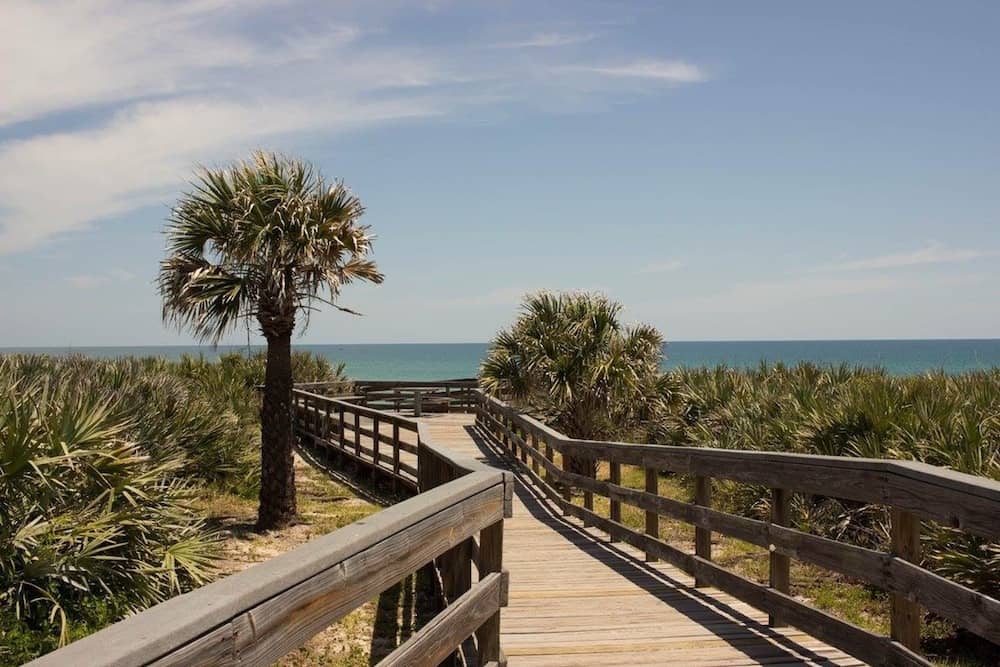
pixel 446 361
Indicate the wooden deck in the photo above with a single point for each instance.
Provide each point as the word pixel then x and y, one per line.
pixel 577 599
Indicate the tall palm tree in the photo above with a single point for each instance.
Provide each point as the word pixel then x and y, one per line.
pixel 265 239
pixel 569 359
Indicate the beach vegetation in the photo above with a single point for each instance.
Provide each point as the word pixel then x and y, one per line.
pixel 266 240
pixel 570 359
pixel 105 468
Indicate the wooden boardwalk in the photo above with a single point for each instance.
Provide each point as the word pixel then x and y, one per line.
pixel 577 599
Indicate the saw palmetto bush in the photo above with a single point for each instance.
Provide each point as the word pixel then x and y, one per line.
pixel 570 359
pixel 99 463
pixel 945 420
pixel 89 512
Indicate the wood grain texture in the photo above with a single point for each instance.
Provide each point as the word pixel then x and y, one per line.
pixel 973 610
pixel 779 563
pixel 438 639
pixel 577 599
pixel 955 499
pixel 285 600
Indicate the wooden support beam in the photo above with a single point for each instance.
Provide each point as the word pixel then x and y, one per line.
pixel 616 505
pixel 702 536
pixel 906 614
pixel 340 425
pixel 490 562
pixel 549 456
pixel 376 437
pixel 652 518
pixel 779 565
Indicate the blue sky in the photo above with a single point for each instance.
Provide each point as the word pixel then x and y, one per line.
pixel 727 170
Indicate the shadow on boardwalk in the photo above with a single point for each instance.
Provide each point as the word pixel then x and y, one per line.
pixel 753 639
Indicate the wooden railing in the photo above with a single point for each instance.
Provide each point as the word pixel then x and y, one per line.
pixel 454 521
pixel 913 491
pixel 419 397
pixel 415 396
pixel 383 442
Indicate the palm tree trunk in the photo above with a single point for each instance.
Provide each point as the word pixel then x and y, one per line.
pixel 277 470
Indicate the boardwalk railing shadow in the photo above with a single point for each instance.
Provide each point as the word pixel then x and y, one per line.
pixel 725 622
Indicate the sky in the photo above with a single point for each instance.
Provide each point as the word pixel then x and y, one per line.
pixel 728 171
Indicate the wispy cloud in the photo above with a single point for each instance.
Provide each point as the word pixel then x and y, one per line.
pixel 665 266
pixel 933 253
pixel 504 296
pixel 672 71
pixel 547 40
pixel 151 89
pixel 90 280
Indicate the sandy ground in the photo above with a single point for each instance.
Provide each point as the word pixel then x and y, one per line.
pixel 325 504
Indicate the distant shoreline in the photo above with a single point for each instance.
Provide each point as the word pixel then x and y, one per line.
pixel 430 361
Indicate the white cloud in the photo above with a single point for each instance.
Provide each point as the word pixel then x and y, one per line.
pixel 665 266
pixel 545 40
pixel 170 85
pixel 90 280
pixel 672 71
pixel 502 296
pixel 934 253
pixel 146 152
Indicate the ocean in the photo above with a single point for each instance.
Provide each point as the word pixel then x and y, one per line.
pixel 438 361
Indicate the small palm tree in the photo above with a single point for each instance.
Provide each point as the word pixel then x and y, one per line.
pixel 264 239
pixel 570 359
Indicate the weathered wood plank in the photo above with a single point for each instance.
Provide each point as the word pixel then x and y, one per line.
pixel 438 639
pixel 779 564
pixel 702 535
pixel 490 562
pixel 955 499
pixel 906 615
pixel 301 591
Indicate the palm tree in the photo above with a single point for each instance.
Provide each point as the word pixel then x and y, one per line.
pixel 569 359
pixel 265 239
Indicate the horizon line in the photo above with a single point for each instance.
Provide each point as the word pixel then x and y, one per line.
pixel 356 344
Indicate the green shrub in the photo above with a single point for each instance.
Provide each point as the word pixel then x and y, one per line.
pixel 944 420
pixel 99 463
pixel 85 511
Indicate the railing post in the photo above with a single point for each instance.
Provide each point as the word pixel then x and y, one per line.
pixel 423 469
pixel 524 450
pixel 702 536
pixel 534 444
pixel 550 457
pixel 357 434
pixel 490 561
pixel 395 454
pixel 376 436
pixel 326 423
pixel 588 496
pixel 652 518
pixel 417 403
pixel 779 563
pixel 340 426
pixel 906 615
pixel 456 579
pixel 616 505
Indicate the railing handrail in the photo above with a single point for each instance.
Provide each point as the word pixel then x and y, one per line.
pixel 271 608
pixel 911 489
pixel 905 484
pixel 181 622
pixel 388 417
